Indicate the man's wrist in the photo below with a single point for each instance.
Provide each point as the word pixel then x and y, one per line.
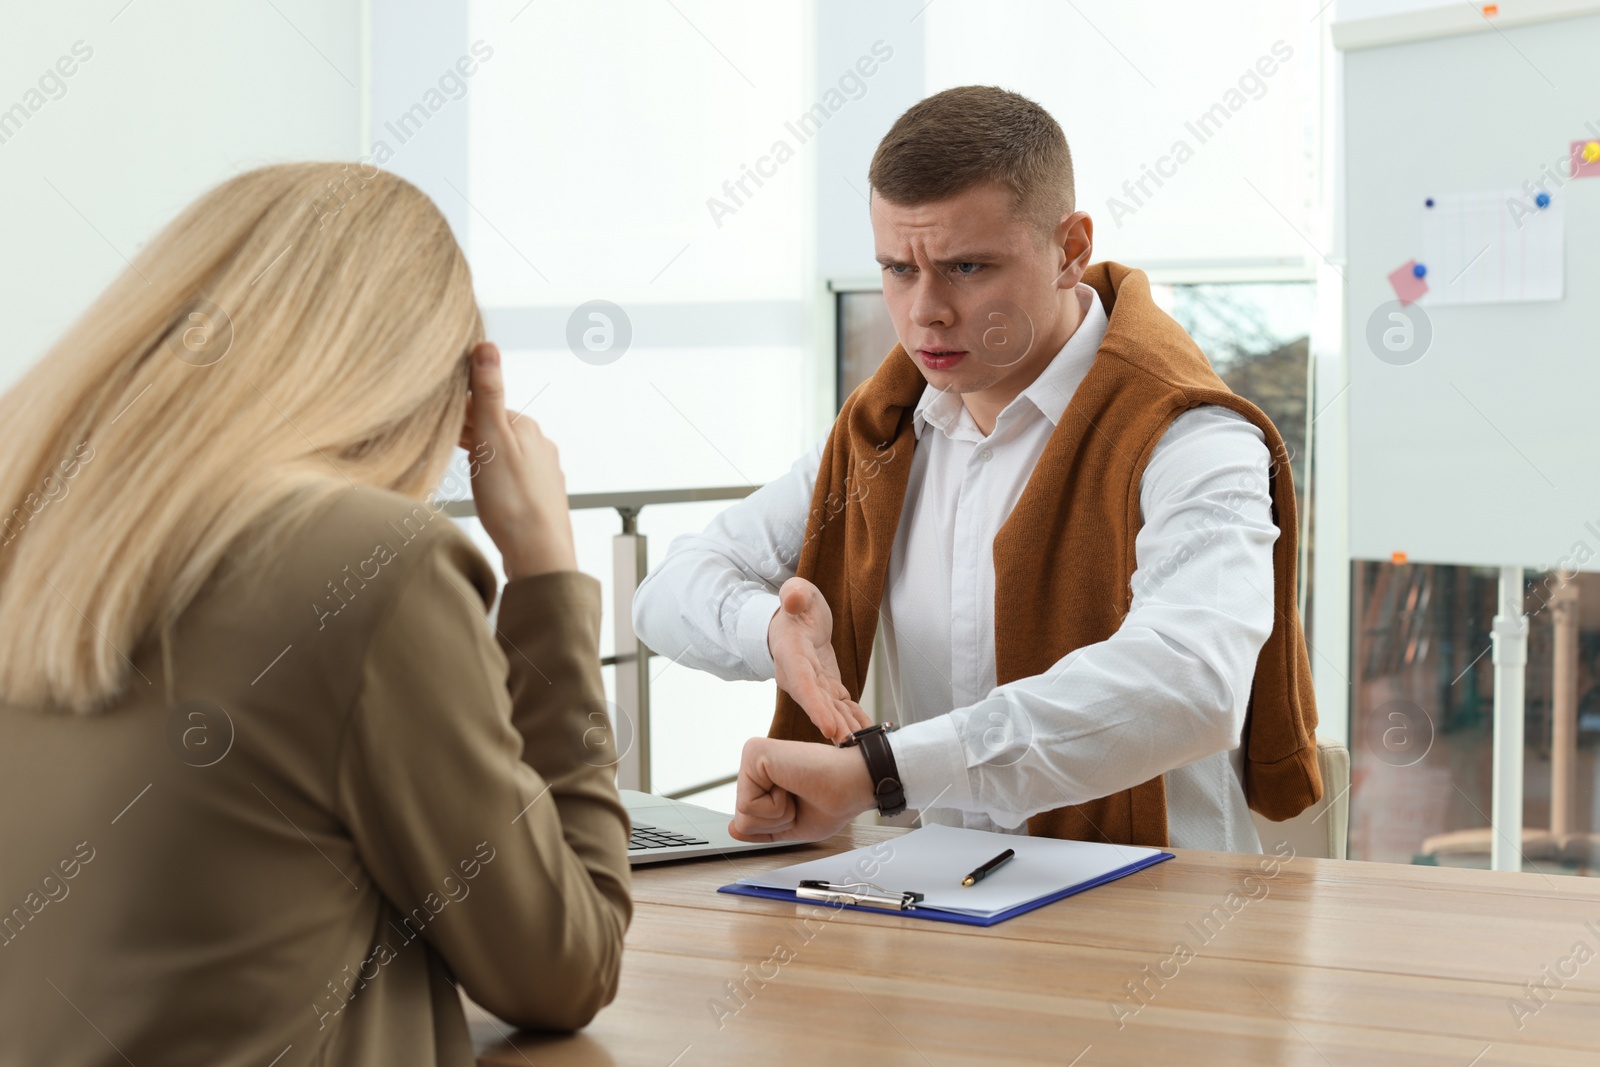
pixel 888 792
pixel 753 626
pixel 858 781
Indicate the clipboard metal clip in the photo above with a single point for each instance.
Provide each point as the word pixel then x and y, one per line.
pixel 864 893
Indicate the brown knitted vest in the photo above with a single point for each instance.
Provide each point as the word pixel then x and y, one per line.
pixel 1064 559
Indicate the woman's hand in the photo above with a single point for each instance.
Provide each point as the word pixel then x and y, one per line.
pixel 517 483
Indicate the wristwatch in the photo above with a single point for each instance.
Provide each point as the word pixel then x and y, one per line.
pixel 874 745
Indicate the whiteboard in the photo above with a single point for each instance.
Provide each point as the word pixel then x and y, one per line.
pixel 1486 449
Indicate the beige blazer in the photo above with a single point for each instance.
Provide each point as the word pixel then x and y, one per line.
pixel 348 794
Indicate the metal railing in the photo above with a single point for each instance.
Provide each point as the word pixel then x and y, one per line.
pixel 631 658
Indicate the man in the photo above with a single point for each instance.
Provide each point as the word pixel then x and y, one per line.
pixel 1066 524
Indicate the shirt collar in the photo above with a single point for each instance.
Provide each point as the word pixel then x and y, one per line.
pixel 1049 393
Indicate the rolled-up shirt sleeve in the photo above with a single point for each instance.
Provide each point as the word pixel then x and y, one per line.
pixel 477 778
pixel 1171 686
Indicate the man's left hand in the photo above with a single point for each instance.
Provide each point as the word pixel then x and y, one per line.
pixel 798 790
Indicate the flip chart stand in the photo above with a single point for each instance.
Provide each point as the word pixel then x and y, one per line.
pixel 1510 674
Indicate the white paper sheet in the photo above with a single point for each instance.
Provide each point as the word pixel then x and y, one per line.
pixel 932 860
pixel 1493 247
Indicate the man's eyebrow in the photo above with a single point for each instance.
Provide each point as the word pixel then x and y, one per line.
pixel 969 257
pixel 959 257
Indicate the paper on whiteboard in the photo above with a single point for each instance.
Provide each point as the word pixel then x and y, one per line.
pixel 1493 247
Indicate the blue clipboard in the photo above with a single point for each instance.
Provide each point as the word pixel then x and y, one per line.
pixel 739 889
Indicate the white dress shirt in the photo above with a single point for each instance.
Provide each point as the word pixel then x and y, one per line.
pixel 1167 693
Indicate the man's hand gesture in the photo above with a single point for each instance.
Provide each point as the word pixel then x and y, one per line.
pixel 800 638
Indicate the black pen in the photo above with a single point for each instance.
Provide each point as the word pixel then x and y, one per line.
pixel 988 868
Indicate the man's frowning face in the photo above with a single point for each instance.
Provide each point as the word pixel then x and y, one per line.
pixel 974 289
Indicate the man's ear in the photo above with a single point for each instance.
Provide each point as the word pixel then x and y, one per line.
pixel 1074 244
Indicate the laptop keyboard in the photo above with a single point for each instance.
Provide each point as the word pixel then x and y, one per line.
pixel 654 837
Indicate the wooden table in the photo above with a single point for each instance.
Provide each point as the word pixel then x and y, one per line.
pixel 1323 962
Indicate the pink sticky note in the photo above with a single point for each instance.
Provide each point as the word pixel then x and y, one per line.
pixel 1579 168
pixel 1407 286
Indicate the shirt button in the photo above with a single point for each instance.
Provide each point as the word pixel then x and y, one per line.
pixel 985 454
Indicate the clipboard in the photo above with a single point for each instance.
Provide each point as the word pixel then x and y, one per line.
pixel 884 893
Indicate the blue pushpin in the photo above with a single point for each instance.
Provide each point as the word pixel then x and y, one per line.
pixel 1418 270
pixel 1428 202
pixel 1543 200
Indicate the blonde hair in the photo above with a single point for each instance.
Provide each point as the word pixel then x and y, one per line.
pixel 297 330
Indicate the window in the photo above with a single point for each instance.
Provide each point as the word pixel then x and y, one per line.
pixel 1423 712
pixel 1194 144
pixel 601 173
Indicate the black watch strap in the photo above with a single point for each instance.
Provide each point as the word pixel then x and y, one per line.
pixel 885 773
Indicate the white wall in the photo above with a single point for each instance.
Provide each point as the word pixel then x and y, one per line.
pixel 847 33
pixel 175 95
pixel 1365 9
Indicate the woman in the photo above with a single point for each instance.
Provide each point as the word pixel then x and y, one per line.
pixel 269 784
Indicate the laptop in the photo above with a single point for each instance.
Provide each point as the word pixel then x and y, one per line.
pixel 674 830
